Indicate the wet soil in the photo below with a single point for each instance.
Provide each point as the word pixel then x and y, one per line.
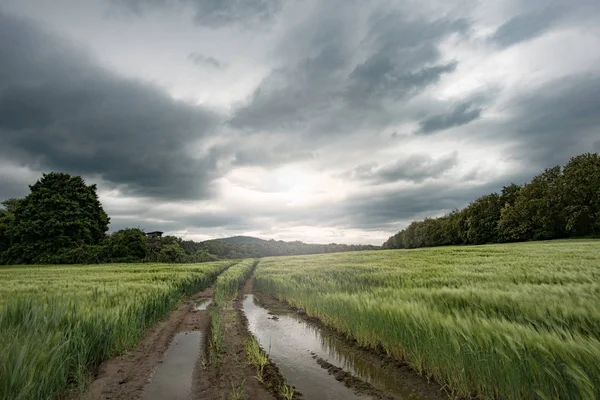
pixel 367 372
pixel 218 381
pixel 126 376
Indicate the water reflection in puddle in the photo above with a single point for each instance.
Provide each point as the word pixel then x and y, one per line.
pixel 291 343
pixel 173 377
pixel 202 304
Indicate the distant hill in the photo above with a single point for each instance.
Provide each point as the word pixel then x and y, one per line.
pixel 252 247
pixel 240 239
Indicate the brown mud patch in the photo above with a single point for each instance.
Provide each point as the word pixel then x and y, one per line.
pixel 212 381
pixel 125 376
pixel 390 371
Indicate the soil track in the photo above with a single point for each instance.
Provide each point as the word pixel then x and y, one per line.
pixel 211 382
pixel 125 376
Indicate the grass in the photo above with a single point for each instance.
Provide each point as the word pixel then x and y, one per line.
pixel 58 322
pixel 510 321
pixel 286 392
pixel 226 288
pixel 216 335
pixel 228 283
pixel 256 356
pixel 237 392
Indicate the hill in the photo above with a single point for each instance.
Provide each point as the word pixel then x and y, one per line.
pixel 241 239
pixel 252 247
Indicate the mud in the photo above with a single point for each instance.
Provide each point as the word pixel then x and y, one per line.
pixel 368 372
pixel 126 376
pixel 218 381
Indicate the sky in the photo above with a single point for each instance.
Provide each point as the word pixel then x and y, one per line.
pixel 322 121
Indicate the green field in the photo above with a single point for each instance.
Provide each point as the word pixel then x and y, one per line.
pixel 510 321
pixel 56 322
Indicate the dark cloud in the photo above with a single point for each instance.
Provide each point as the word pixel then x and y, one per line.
pixel 344 82
pixel 210 13
pixel 393 209
pixel 415 168
pixel 202 60
pixel 555 122
pixel 61 111
pixel 157 221
pixel 461 115
pixel 527 26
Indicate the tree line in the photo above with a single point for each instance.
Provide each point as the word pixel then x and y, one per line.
pixel 61 221
pixel 561 202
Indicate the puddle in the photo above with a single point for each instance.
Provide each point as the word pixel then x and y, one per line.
pixel 289 343
pixel 173 377
pixel 292 342
pixel 202 304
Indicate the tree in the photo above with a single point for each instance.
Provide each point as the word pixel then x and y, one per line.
pixel 128 244
pixel 171 253
pixel 509 194
pixel 60 213
pixel 6 221
pixel 582 191
pixel 482 217
pixel 539 211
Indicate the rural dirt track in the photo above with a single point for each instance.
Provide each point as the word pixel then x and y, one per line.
pixel 125 376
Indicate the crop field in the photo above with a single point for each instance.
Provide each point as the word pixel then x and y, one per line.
pixel 510 321
pixel 58 321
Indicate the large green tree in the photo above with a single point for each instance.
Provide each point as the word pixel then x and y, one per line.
pixel 482 217
pixel 539 210
pixel 128 244
pixel 60 213
pixel 582 192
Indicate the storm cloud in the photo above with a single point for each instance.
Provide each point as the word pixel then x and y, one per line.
pixel 461 115
pixel 294 119
pixel 211 13
pixel 59 110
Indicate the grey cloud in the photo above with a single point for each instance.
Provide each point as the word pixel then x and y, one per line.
pixel 201 59
pixel 540 16
pixel 149 221
pixel 395 208
pixel 270 157
pixel 527 26
pixel 415 168
pixel 461 115
pixel 555 122
pixel 346 82
pixel 210 13
pixel 61 111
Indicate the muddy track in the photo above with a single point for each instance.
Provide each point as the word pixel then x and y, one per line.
pixel 125 376
pixel 274 379
pixel 415 386
pixel 128 376
pixel 218 381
